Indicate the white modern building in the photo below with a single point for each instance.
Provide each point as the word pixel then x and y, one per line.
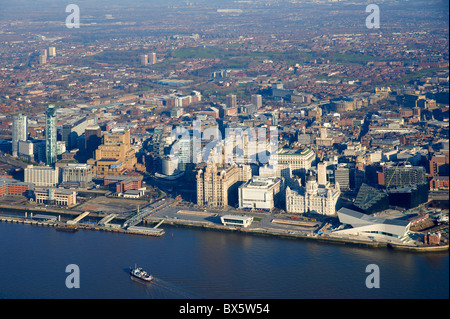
pixel 234 220
pixel 169 165
pixel 26 150
pixel 259 193
pixel 370 227
pixel 312 199
pixel 19 132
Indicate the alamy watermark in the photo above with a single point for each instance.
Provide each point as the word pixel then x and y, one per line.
pixel 73 19
pixel 73 279
pixel 373 19
pixel 373 280
pixel 237 145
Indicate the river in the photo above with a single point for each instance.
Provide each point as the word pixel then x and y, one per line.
pixel 196 264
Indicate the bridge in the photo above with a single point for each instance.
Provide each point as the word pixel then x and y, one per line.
pixel 77 219
pixel 162 221
pixel 105 220
pixel 147 211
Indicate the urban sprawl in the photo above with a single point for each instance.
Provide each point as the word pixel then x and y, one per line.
pixel 319 125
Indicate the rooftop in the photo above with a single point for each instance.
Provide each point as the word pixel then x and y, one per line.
pixel 300 152
pixel 261 182
pixel 371 219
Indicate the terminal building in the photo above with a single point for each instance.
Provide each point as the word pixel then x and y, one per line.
pixel 373 228
pixel 234 220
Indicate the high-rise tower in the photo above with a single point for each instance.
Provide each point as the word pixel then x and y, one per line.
pixel 50 135
pixel 19 132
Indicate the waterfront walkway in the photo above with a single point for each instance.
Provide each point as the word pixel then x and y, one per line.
pixel 267 224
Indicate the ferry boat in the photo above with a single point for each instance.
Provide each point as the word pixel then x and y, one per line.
pixel 140 274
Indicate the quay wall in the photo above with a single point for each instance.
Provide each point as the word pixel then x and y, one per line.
pixel 206 225
pixel 322 239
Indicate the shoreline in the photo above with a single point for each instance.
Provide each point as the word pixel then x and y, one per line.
pixel 201 225
pixel 321 239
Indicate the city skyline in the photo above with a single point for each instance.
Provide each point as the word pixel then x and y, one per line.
pixel 317 119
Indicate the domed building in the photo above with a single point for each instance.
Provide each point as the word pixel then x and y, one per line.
pixel 313 198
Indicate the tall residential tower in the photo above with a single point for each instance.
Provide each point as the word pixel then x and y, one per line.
pixel 19 132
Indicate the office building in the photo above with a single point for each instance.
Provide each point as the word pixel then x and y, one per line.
pixel 342 176
pixel 403 176
pixel 170 165
pixel 50 135
pixel 26 150
pixel 324 140
pixel 41 176
pixel 55 196
pixel 72 132
pixel 92 139
pixel 116 155
pixel 216 185
pixel 299 159
pixel 245 172
pixel 439 165
pixel 122 184
pixel 19 132
pixel 322 173
pixel 408 197
pixel 260 193
pixel 312 199
pixel 370 200
pixel 77 175
pixel 9 186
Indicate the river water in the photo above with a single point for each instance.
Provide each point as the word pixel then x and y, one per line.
pixel 194 264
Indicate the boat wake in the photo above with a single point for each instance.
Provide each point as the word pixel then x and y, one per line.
pixel 160 289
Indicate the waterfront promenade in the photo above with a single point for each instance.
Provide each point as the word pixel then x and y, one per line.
pixel 177 214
